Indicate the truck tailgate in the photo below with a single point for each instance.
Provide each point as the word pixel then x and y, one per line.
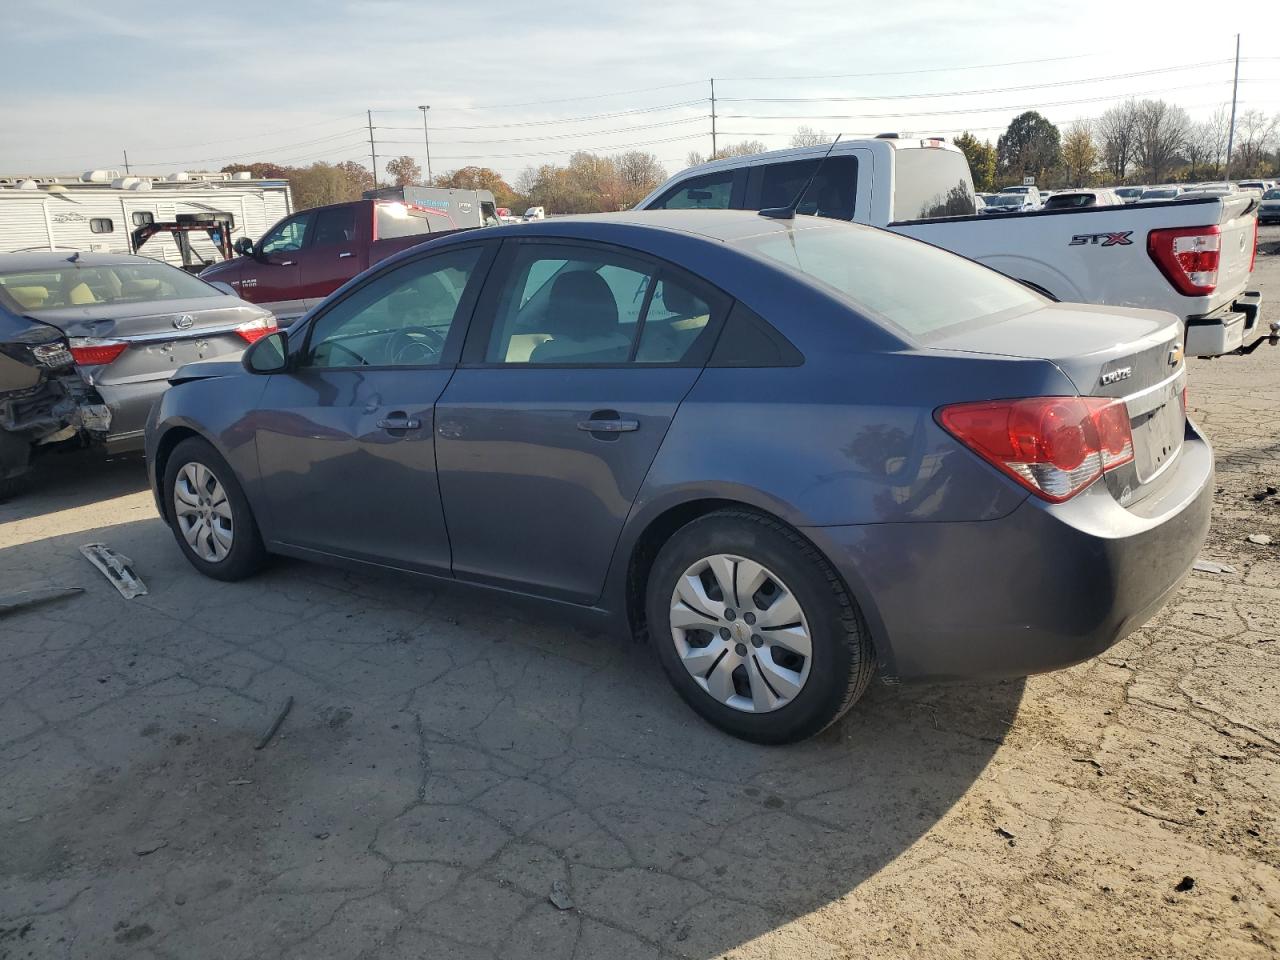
pixel 1239 225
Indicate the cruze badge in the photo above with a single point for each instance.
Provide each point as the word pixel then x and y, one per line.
pixel 1115 376
pixel 184 322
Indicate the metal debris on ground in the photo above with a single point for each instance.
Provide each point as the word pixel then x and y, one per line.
pixel 1208 566
pixel 117 568
pixel 559 896
pixel 149 847
pixel 284 712
pixel 9 602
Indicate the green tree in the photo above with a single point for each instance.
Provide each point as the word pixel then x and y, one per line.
pixel 405 171
pixel 982 161
pixel 1079 154
pixel 481 178
pixel 1030 147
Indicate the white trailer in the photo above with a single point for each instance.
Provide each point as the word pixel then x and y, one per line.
pixel 99 211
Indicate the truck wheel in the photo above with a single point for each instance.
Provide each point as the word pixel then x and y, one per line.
pixel 208 513
pixel 755 629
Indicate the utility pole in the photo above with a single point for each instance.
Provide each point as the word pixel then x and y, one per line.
pixel 126 163
pixel 426 141
pixel 373 155
pixel 1231 131
pixel 713 118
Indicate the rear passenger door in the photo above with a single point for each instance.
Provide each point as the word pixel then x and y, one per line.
pixel 578 357
pixel 333 255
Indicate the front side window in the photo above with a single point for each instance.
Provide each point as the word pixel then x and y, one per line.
pixel 402 318
pixel 573 306
pixel 290 235
pixel 710 192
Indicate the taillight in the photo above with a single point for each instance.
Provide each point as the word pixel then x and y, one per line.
pixel 95 353
pixel 1188 257
pixel 1053 446
pixel 254 330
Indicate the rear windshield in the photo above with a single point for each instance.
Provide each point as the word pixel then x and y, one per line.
pixel 52 288
pixel 1060 200
pixel 1273 194
pixel 1159 194
pixel 913 286
pixel 1007 200
pixel 1128 191
pixel 400 220
pixel 930 182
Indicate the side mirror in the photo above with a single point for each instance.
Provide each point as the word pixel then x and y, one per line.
pixel 243 246
pixel 223 287
pixel 268 355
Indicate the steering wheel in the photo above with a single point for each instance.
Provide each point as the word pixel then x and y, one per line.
pixel 410 345
pixel 336 345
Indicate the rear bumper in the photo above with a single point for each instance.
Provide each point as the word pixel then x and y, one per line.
pixel 1044 587
pixel 1237 325
pixel 130 405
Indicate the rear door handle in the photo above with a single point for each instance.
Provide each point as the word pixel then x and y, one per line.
pixel 399 423
pixel 608 426
pixel 343 256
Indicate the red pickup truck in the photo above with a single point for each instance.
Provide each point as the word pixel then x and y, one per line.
pixel 306 256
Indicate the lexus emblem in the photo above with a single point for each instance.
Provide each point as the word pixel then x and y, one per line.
pixel 184 322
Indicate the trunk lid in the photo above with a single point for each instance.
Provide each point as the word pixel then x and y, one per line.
pixel 1129 354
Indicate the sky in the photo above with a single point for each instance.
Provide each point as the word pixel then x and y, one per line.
pixel 518 84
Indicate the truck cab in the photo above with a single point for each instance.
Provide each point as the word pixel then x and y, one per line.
pixel 307 256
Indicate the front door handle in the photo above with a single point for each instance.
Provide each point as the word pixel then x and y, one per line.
pixel 343 256
pixel 399 423
pixel 609 426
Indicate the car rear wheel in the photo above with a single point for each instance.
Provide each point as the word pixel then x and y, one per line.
pixel 209 514
pixel 755 629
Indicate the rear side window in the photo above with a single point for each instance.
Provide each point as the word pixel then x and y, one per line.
pixel 334 227
pixel 913 286
pixel 830 195
pixel 930 182
pixel 570 306
pixel 710 192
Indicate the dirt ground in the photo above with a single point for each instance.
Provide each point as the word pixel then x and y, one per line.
pixel 447 761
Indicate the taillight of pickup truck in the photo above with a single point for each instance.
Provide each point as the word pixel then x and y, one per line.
pixel 1188 257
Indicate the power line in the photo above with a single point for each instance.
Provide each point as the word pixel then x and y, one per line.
pixel 583 119
pixel 559 153
pixel 538 103
pixel 257 151
pixel 989 90
pixel 574 136
pixel 903 73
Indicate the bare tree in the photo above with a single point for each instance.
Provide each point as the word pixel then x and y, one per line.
pixel 1220 121
pixel 1255 134
pixel 1079 153
pixel 809 137
pixel 1117 134
pixel 1200 146
pixel 1162 131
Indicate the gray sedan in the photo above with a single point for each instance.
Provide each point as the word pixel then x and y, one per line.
pixel 790 453
pixel 128 323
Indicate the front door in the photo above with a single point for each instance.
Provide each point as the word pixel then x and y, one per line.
pixel 345 439
pixel 271 276
pixel 578 360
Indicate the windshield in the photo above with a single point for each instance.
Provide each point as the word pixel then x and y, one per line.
pixel 1007 200
pixel 71 285
pixel 1129 191
pixel 1272 194
pixel 866 267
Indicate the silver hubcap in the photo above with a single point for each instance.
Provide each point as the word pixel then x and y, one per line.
pixel 203 512
pixel 740 633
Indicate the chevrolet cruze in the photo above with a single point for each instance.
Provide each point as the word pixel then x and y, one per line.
pixel 791 453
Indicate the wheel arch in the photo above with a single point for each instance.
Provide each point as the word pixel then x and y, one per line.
pixel 165 445
pixel 661 524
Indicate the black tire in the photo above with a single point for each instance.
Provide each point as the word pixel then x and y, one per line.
pixel 842 659
pixel 247 554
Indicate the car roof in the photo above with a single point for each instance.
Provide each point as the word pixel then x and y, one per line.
pixel 45 259
pixel 722 225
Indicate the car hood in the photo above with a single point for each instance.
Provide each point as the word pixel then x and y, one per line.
pixel 107 320
pixel 222 269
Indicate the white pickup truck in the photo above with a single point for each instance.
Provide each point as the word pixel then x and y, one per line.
pixel 1192 258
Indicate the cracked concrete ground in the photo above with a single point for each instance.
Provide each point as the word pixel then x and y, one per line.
pixel 447 760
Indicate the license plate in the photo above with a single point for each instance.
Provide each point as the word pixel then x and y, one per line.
pixel 1158 435
pixel 175 353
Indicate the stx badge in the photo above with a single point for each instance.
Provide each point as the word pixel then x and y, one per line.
pixel 1102 239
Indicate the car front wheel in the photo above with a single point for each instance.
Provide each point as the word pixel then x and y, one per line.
pixel 209 514
pixel 755 629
